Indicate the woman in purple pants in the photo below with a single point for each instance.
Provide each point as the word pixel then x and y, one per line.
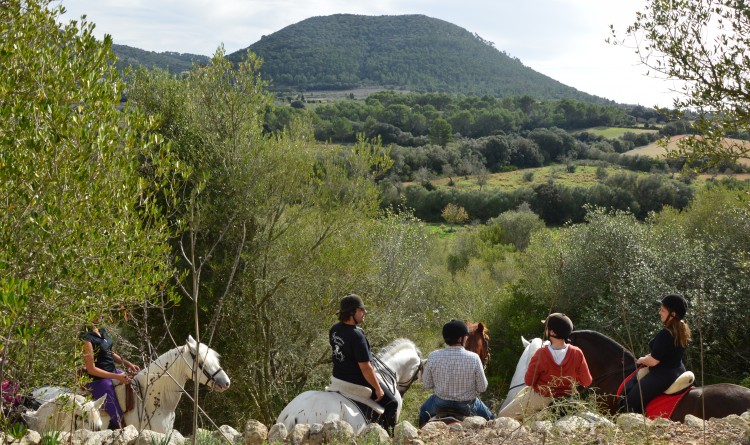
pixel 100 366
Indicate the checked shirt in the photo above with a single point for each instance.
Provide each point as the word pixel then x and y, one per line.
pixel 454 374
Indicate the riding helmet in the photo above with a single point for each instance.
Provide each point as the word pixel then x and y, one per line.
pixel 453 330
pixel 675 303
pixel 350 303
pixel 560 323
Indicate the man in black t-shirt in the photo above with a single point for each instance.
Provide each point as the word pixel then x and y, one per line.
pixel 352 359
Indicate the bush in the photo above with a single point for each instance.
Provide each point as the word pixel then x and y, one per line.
pixel 528 176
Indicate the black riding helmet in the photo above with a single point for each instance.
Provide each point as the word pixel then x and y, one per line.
pixel 560 323
pixel 675 303
pixel 350 303
pixel 453 330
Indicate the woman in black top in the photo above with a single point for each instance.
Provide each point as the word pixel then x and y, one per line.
pixel 665 360
pixel 100 362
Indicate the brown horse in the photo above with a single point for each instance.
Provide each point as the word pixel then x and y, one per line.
pixel 609 364
pixel 478 341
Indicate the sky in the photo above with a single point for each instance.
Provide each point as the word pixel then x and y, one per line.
pixel 562 39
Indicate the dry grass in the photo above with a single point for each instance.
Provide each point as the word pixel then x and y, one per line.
pixel 655 150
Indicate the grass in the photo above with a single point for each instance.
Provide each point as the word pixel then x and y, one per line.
pixel 616 132
pixel 654 149
pixel 581 176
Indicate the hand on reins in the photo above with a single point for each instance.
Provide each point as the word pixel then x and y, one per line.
pixel 379 394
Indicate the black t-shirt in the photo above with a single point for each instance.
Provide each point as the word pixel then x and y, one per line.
pixel 350 348
pixel 663 349
pixel 103 358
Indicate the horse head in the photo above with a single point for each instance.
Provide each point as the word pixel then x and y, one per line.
pixel 66 412
pixel 479 341
pixel 517 383
pixel 404 360
pixel 207 360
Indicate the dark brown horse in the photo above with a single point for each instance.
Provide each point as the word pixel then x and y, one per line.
pixel 478 341
pixel 609 364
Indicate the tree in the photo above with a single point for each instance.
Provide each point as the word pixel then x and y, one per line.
pixel 441 132
pixel 453 214
pixel 703 44
pixel 83 185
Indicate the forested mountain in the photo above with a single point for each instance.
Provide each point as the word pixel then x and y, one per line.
pixel 168 60
pixel 412 52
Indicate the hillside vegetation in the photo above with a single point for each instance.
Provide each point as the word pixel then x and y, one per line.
pixel 173 62
pixel 413 52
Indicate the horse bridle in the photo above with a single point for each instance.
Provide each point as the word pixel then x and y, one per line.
pixel 211 377
pixel 392 375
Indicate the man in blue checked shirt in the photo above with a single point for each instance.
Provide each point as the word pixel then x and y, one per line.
pixel 455 375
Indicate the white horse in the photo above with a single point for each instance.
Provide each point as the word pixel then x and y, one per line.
pixel 159 386
pixel 403 360
pixel 66 412
pixel 517 383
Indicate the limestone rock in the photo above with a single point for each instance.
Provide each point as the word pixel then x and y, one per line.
pixel 374 433
pixel 299 434
pixel 227 434
pixel 277 433
pixel 405 432
pixel 316 434
pixel 255 432
pixel 337 430
pixel 631 421
pixel 474 422
pixel 694 422
pixel 434 427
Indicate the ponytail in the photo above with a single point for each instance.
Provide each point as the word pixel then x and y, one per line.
pixel 680 331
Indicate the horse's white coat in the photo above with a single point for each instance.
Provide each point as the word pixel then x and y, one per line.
pixel 517 382
pixel 65 412
pixel 161 385
pixel 401 356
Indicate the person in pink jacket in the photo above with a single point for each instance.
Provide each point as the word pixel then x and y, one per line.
pixel 554 371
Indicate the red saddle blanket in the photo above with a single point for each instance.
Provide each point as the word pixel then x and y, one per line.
pixel 660 406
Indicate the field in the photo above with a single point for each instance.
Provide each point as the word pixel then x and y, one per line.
pixel 655 150
pixel 616 132
pixel 582 176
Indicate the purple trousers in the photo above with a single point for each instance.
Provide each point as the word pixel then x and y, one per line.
pixel 102 387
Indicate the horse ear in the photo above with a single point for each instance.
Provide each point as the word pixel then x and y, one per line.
pixel 480 327
pixel 190 340
pixel 524 342
pixel 100 401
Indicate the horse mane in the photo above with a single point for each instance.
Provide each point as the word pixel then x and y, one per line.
pixel 397 346
pixel 603 341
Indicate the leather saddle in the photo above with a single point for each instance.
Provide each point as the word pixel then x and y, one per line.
pixel 450 415
pixel 684 381
pixel 125 396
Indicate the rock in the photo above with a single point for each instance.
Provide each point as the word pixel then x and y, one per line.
pixel 372 433
pixel 595 419
pixel 542 427
pixel 661 422
pixel 734 421
pixel 316 435
pixel 30 438
pixel 226 433
pixel 299 434
pixel 434 427
pixel 337 430
pixel 405 432
pixel 455 427
pixel 571 424
pixel 694 422
pixel 504 423
pixel 277 433
pixel 176 438
pixel 474 423
pixel 148 437
pixel 746 416
pixel 255 432
pixel 631 421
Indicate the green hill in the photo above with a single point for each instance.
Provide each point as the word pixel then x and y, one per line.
pixel 168 60
pixel 413 52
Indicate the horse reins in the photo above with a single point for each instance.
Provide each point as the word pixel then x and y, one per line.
pixel 210 377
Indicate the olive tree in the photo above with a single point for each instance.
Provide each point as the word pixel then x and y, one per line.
pixel 703 44
pixel 81 228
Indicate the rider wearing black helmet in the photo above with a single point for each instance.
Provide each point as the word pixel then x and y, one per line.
pixel 455 375
pixel 665 360
pixel 352 359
